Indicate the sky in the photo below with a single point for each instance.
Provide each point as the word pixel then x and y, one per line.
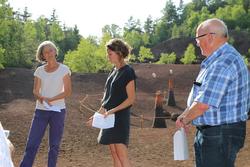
pixel 91 16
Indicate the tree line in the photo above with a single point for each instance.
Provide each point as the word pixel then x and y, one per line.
pixel 20 35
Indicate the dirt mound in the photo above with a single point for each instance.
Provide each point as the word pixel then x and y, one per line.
pixel 240 40
pixel 148 147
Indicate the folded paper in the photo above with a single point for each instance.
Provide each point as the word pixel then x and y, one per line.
pixel 180 145
pixel 103 123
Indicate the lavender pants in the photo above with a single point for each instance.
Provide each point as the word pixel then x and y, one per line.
pixel 40 121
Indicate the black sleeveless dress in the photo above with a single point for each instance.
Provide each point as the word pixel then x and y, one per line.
pixel 115 93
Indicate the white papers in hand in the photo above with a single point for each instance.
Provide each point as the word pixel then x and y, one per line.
pixel 180 145
pixel 103 123
pixel 51 107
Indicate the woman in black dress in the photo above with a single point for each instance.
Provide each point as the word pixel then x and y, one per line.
pixel 118 98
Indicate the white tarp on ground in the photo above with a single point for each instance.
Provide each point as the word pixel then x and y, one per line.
pixel 5 157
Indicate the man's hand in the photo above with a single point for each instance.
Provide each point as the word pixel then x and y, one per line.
pixel 181 122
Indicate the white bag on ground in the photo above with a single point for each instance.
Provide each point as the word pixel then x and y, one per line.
pixel 180 145
pixel 5 156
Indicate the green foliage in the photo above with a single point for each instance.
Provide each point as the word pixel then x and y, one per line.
pixel 167 58
pixel 20 36
pixel 82 59
pixel 189 55
pixel 149 25
pixel 162 32
pixel 132 25
pixel 113 30
pixel 170 12
pixel 136 39
pixel 70 41
pixel 246 60
pixel 248 54
pixel 89 57
pixel 101 60
pixel 145 54
pixel 231 40
pixel 29 44
pixel 132 58
pixel 1 58
pixel 56 33
pixel 234 16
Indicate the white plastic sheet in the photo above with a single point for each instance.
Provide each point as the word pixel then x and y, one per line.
pixel 180 145
pixel 5 157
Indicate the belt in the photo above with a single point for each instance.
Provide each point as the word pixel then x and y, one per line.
pixel 202 127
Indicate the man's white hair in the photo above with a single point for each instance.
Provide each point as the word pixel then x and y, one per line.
pixel 215 25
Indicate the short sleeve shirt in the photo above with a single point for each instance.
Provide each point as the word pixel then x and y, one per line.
pixel 223 83
pixel 115 87
pixel 52 84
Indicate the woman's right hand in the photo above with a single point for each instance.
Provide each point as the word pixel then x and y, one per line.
pixel 89 122
pixel 40 99
pixel 102 110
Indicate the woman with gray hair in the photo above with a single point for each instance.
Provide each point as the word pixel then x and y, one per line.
pixel 52 84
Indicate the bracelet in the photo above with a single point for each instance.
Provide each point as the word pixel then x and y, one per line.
pixel 184 121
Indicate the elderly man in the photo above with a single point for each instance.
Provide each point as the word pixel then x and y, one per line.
pixel 219 100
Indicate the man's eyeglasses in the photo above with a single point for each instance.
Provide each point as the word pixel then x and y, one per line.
pixel 204 35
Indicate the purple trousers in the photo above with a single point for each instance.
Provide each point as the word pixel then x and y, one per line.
pixel 40 121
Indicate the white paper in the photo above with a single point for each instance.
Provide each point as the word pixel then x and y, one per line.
pixel 51 107
pixel 103 123
pixel 5 158
pixel 7 133
pixel 180 145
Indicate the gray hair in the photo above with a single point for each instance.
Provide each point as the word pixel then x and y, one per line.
pixel 217 26
pixel 39 52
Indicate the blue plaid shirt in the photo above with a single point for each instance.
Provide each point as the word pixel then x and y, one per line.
pixel 224 84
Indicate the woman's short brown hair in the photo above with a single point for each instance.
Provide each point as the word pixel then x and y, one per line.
pixel 119 47
pixel 39 52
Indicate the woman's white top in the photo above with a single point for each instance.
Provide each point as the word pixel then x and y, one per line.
pixel 52 84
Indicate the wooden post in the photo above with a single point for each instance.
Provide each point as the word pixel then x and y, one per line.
pixel 159 117
pixel 141 120
pixel 171 99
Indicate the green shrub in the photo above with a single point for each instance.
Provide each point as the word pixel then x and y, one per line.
pixel 1 58
pixel 167 58
pixel 189 55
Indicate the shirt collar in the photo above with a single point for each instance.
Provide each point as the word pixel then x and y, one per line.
pixel 210 59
